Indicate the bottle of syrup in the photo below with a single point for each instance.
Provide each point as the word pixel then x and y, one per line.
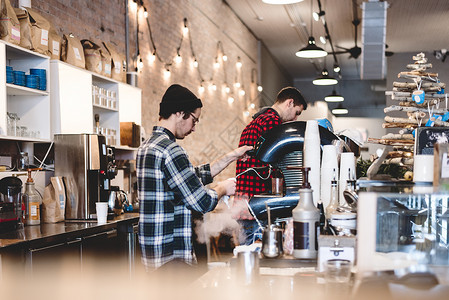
pixel 306 219
pixel 32 201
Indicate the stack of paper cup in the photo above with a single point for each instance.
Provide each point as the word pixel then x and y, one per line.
pixel 329 169
pixel 347 171
pixel 312 153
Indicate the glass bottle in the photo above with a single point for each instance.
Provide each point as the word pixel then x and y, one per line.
pixel 333 203
pixel 32 201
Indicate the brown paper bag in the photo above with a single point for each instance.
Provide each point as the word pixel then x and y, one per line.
pixel 92 56
pixel 72 51
pixel 54 44
pixel 9 24
pixel 53 203
pixel 106 61
pixel 118 72
pixel 25 28
pixel 40 27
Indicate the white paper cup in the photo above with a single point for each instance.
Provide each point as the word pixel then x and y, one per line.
pixel 102 212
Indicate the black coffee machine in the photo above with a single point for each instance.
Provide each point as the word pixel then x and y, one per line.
pixel 282 148
pixel 11 211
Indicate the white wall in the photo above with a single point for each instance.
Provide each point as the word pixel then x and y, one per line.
pixel 367 127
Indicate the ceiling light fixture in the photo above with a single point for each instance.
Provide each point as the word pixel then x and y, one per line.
pixel 325 79
pixel 311 50
pixel 334 97
pixel 318 15
pixel 340 110
pixel 281 2
pixel 336 68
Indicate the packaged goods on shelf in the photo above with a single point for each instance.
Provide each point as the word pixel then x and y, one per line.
pixel 40 27
pixel 10 26
pixel 72 51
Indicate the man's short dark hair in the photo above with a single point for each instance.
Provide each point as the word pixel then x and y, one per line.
pixel 291 93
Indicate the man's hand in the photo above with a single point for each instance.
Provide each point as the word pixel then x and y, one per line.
pixel 240 153
pixel 221 163
pixel 226 187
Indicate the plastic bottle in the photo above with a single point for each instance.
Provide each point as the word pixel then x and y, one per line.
pixel 32 201
pixel 305 223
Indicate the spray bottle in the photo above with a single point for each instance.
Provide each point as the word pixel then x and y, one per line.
pixel 32 201
pixel 306 219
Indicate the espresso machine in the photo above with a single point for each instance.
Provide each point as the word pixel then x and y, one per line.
pixel 282 149
pixel 87 166
pixel 11 211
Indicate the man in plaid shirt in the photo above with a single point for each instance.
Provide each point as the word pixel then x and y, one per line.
pixel 288 106
pixel 170 188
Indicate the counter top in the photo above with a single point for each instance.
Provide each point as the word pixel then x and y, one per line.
pixel 46 233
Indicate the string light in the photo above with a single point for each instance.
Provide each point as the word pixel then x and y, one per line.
pixel 252 105
pixel 178 58
pixel 195 63
pixel 227 89
pixel 238 64
pixel 224 57
pixel 246 113
pixel 230 100
pixel 201 89
pixel 259 88
pixel 237 84
pixel 139 63
pixel 213 87
pixel 185 29
pixel 152 57
pixel 242 92
pixel 145 12
pixel 167 73
pixel 216 63
pixel 134 5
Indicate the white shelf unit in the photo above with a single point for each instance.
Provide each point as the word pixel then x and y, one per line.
pixel 31 105
pixel 73 110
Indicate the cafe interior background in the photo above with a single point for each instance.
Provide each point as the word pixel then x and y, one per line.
pixel 236 55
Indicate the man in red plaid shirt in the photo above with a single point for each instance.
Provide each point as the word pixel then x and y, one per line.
pixel 288 106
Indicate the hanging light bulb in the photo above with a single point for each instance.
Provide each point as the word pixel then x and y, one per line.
pixel 246 113
pixel 195 63
pixel 259 88
pixel 224 57
pixel 213 87
pixel 334 97
pixel 317 15
pixel 323 40
pixel 252 105
pixel 325 79
pixel 134 5
pixel 145 12
pixel 167 73
pixel 311 50
pixel 139 63
pixel 178 58
pixel 201 88
pixel 227 89
pixel 216 63
pixel 185 29
pixel 230 100
pixel 237 84
pixel 336 68
pixel 238 64
pixel 152 57
pixel 242 92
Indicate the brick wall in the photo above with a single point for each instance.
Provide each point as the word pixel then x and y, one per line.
pixel 209 22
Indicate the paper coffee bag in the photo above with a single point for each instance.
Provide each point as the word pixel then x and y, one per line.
pixel 9 23
pixel 92 56
pixel 72 51
pixel 40 27
pixel 54 201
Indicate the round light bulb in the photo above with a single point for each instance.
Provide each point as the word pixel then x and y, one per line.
pixel 230 100
pixel 178 59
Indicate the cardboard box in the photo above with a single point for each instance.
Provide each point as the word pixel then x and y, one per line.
pixel 129 134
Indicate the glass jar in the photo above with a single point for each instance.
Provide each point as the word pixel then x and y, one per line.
pixel 23 161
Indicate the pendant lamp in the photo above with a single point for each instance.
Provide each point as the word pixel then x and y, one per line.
pixel 311 50
pixel 281 2
pixel 334 97
pixel 340 110
pixel 325 79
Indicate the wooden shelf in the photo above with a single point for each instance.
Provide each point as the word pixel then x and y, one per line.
pixel 18 90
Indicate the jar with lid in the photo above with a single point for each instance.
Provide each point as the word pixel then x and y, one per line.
pixel 23 161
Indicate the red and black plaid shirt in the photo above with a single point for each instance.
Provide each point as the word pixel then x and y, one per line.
pixel 249 183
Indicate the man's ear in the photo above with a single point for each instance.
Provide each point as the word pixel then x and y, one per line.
pixel 290 102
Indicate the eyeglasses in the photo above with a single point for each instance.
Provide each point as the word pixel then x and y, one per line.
pixel 195 119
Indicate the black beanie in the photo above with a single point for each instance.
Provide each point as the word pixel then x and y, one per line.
pixel 178 98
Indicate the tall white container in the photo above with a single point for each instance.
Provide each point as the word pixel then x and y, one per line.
pixel 312 158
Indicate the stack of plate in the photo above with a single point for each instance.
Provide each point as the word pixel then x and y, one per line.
pixel 19 77
pixel 32 81
pixel 9 75
pixel 42 74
